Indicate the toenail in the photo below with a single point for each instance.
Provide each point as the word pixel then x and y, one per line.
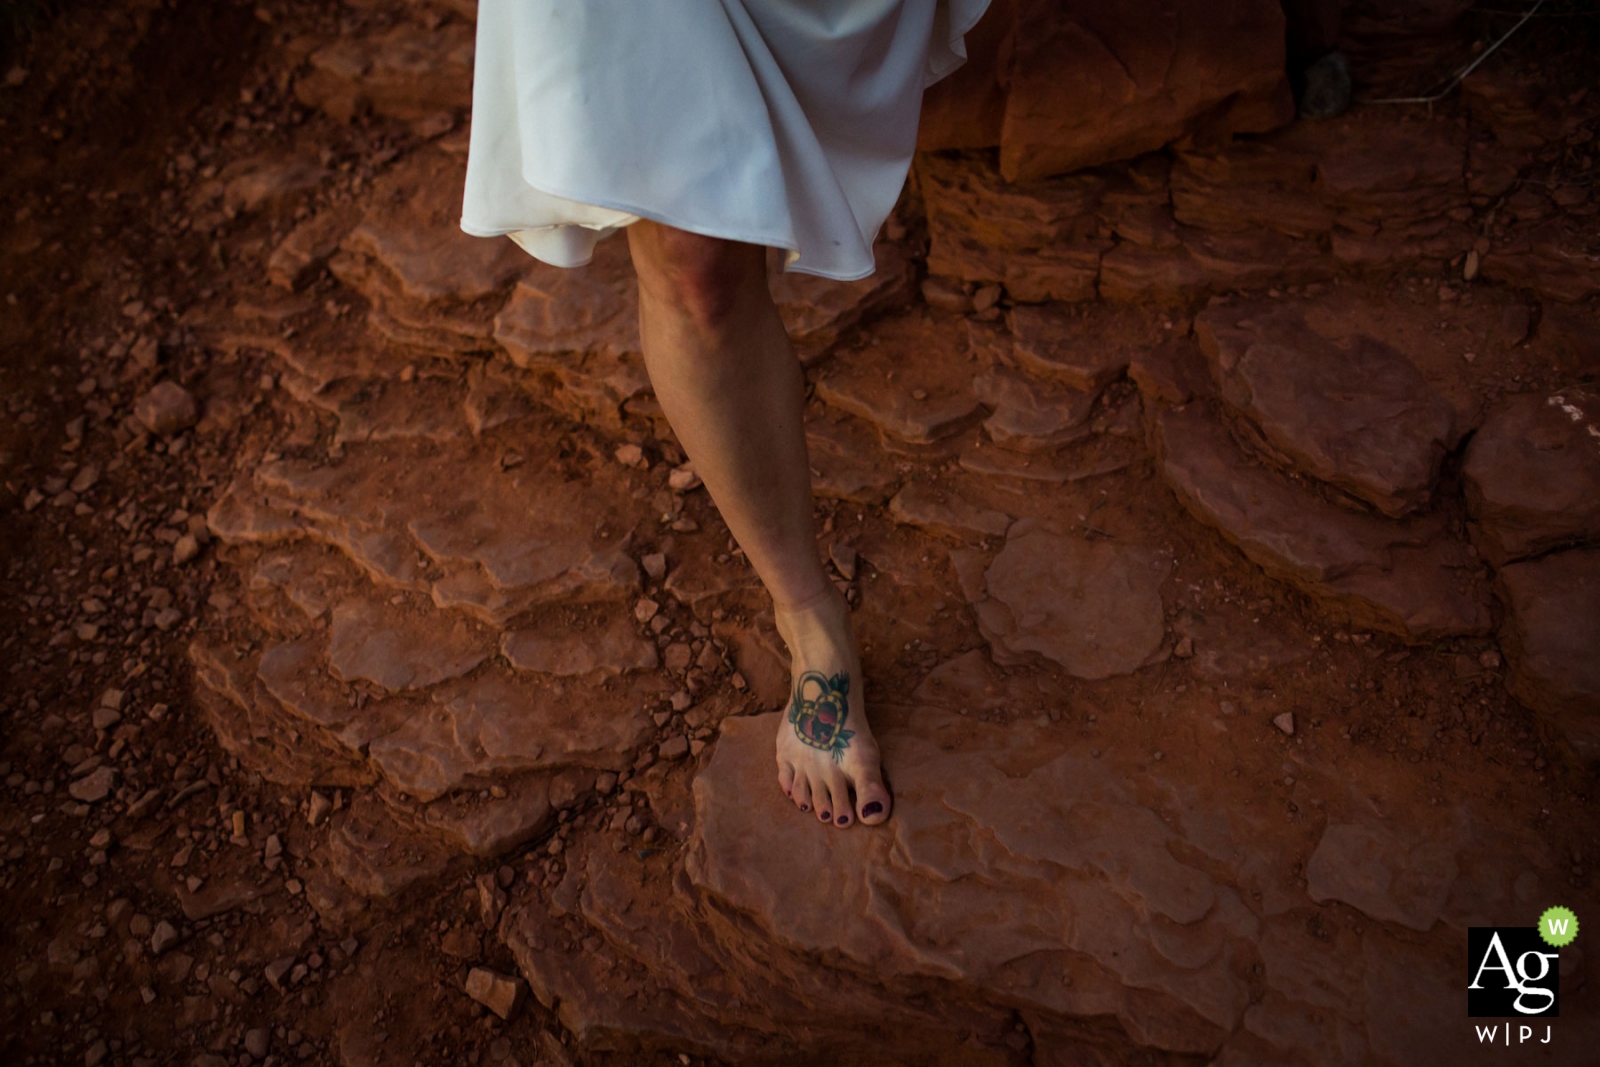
pixel 824 816
pixel 872 809
pixel 844 820
pixel 805 807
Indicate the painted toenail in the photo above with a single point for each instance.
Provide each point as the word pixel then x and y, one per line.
pixel 805 807
pixel 844 820
pixel 824 816
pixel 872 809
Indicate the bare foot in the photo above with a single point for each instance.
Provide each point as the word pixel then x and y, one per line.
pixel 826 751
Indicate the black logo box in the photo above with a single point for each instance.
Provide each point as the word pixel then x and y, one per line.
pixel 1508 964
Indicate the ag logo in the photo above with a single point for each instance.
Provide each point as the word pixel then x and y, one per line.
pixel 1512 972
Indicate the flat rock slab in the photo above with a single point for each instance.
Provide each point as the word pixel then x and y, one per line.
pixel 1396 875
pixel 611 647
pixel 943 511
pixel 398 649
pixel 817 311
pixel 1351 411
pixel 912 381
pixel 1054 342
pixel 1532 474
pixel 430 284
pixel 1094 607
pixel 503 541
pixel 1552 634
pixel 1014 871
pixel 406 73
pixel 1405 577
pixel 1030 415
pixel 577 332
pixel 498 723
pixel 847 460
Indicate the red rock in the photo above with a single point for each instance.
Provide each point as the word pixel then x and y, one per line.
pixel 679 976
pixel 1100 456
pixel 1251 185
pixel 1093 607
pixel 377 855
pixel 1170 373
pixel 987 842
pixel 1037 239
pixel 816 311
pixel 945 512
pixel 94 786
pixel 1393 875
pixel 430 284
pixel 495 723
pixel 1032 416
pixel 966 109
pixel 847 461
pixel 762 660
pixel 269 182
pixel 1532 474
pixel 406 73
pixel 264 735
pixel 167 408
pixel 1350 411
pixel 498 993
pixel 1229 641
pixel 577 331
pixel 399 649
pixel 1056 343
pixel 1407 578
pixel 379 510
pixel 1131 274
pixel 300 256
pixel 1390 172
pixel 1550 634
pixel 1552 258
pixel 1091 83
pixel 492 828
pixel 918 401
pixel 612 647
pixel 1254 260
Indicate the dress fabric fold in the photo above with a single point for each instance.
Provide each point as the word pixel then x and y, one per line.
pixel 786 123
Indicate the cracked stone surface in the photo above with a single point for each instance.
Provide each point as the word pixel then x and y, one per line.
pixel 919 402
pixel 1091 606
pixel 431 285
pixel 396 519
pixel 1410 578
pixel 611 647
pixel 1349 411
pixel 1551 630
pixel 1532 474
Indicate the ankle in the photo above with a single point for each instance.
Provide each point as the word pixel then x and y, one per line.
pixel 824 614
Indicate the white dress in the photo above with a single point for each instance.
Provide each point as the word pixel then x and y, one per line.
pixel 786 123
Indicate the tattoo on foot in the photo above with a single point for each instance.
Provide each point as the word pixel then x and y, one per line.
pixel 819 710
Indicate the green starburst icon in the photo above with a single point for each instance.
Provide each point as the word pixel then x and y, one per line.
pixel 1558 926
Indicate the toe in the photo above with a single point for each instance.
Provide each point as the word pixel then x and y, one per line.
pixel 800 792
pixel 839 796
pixel 822 800
pixel 872 799
pixel 786 777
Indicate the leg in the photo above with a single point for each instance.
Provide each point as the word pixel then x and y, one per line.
pixel 727 377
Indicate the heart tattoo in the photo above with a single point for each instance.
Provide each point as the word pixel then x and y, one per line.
pixel 819 710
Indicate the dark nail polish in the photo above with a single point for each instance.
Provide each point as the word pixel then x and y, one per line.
pixel 844 820
pixel 824 816
pixel 872 808
pixel 805 807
